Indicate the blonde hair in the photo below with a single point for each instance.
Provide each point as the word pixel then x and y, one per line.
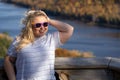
pixel 27 35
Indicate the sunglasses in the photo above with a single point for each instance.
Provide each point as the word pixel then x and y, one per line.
pixel 37 25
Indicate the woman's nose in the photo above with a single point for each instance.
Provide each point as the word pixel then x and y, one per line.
pixel 41 27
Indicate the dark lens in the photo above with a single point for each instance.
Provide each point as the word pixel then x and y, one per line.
pixel 45 24
pixel 37 25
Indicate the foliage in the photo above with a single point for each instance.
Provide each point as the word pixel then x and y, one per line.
pixel 72 53
pixel 5 41
pixel 107 9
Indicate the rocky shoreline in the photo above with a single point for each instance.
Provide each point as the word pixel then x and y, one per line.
pixel 70 9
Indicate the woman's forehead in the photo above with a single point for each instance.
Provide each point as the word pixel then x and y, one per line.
pixel 40 18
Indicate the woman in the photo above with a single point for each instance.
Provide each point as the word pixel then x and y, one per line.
pixel 33 50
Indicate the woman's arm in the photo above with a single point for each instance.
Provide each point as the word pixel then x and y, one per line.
pixel 64 29
pixel 9 67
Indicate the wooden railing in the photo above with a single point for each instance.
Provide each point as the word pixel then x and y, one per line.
pixel 84 68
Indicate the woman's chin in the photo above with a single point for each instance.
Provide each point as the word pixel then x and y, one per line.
pixel 40 35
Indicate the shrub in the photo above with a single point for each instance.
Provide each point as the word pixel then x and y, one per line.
pixel 5 41
pixel 71 53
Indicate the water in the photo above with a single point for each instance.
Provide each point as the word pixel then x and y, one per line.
pixel 102 42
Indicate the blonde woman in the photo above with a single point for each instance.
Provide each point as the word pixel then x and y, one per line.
pixel 33 51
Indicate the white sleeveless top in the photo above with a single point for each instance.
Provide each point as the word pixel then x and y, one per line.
pixel 36 60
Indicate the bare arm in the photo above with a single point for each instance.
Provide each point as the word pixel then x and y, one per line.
pixel 64 29
pixel 9 68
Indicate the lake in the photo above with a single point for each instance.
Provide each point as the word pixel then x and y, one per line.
pixel 102 42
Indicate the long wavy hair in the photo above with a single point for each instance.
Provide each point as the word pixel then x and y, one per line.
pixel 27 35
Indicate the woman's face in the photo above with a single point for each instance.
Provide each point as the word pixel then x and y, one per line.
pixel 39 26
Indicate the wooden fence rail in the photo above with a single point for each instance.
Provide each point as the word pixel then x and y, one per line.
pixel 107 68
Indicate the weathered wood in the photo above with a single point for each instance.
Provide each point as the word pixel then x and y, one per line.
pixel 81 63
pixel 84 68
pixel 115 64
pixel 89 74
pixel 87 68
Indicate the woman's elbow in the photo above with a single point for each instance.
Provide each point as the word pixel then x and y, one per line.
pixel 71 30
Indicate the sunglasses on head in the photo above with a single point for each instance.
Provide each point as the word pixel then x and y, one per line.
pixel 44 24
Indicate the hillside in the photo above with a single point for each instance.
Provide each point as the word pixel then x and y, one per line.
pixel 100 12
